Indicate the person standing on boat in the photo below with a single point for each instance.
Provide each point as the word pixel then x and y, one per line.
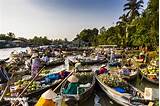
pixel 35 61
pixel 4 77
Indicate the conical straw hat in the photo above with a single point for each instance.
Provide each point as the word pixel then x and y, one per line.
pixel 103 65
pixel 34 55
pixel 73 78
pixel 49 94
pixel 124 67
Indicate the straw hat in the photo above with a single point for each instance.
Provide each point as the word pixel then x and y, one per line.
pixel 124 67
pixel 34 55
pixel 49 94
pixel 73 78
pixel 141 53
pixel 103 65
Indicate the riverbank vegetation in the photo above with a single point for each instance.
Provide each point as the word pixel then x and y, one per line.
pixel 135 28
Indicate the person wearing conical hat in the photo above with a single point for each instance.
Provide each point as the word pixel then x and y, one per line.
pixel 48 98
pixel 72 86
pixel 35 61
pixel 77 65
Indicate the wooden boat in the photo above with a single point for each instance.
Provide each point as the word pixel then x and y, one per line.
pixel 72 62
pixel 56 62
pixel 92 61
pixel 84 78
pixel 133 74
pixel 154 81
pixel 87 61
pixel 125 99
pixel 42 90
pixel 150 73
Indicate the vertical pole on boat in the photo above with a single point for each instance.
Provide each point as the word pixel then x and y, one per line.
pixel 111 56
pixel 8 83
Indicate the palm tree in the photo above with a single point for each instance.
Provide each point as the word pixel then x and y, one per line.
pixel 123 20
pixel 133 7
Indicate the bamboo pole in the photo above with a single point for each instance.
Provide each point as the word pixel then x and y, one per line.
pixel 63 81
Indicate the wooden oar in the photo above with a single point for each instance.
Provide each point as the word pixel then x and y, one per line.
pixel 63 81
pixel 8 83
pixel 28 84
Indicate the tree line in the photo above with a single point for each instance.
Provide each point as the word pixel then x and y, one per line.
pixel 136 27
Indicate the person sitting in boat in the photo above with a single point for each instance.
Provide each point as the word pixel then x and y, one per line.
pixel 102 70
pixel 84 54
pixel 63 74
pixel 4 76
pixel 72 86
pixel 125 71
pixel 45 58
pixel 141 57
pixel 27 64
pixel 129 62
pixel 48 98
pixel 97 57
pixel 35 61
pixel 52 77
pixel 77 65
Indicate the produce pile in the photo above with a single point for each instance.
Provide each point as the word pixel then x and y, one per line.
pixel 150 70
pixel 45 72
pixel 85 77
pixel 20 85
pixel 112 80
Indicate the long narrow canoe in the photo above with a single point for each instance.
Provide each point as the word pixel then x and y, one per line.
pixel 88 61
pixel 56 62
pixel 91 62
pixel 84 78
pixel 124 99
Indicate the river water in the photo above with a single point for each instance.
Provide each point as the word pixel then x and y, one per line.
pixel 98 98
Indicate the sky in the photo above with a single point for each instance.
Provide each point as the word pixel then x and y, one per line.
pixel 57 19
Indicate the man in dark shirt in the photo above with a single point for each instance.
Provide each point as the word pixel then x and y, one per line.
pixel 3 74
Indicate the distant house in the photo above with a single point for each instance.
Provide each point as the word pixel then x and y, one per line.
pixel 3 43
pixel 17 43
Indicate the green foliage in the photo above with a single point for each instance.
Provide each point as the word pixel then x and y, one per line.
pixel 133 7
pixel 89 36
pixel 9 37
pixel 132 29
pixel 40 41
